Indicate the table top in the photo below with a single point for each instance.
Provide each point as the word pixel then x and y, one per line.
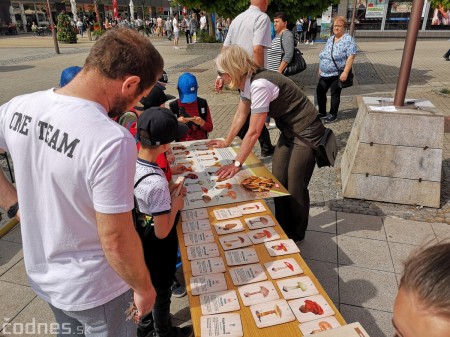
pixel 248 323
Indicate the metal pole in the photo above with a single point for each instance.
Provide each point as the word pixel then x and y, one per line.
pixel 408 52
pixel 352 25
pixel 53 28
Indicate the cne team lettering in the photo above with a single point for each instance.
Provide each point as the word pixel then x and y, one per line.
pixel 53 137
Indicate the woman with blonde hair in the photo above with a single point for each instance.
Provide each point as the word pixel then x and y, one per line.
pixel 268 93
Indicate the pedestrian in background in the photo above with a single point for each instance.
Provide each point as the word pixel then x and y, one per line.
pixel 336 60
pixel 251 31
pixel 193 25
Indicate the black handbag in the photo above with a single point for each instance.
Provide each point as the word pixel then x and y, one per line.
pixel 349 81
pixel 326 150
pixel 297 64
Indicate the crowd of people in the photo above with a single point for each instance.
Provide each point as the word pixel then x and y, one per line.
pixel 99 228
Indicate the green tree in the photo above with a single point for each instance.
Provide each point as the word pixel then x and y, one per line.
pixel 65 31
pixel 231 8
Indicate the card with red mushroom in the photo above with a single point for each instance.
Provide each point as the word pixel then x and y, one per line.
pixel 311 308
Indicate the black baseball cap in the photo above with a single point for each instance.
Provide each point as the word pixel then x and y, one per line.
pixel 155 98
pixel 161 125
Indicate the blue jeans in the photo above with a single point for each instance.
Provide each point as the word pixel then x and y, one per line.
pixel 160 317
pixel 107 320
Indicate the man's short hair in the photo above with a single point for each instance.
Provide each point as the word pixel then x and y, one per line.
pixel 124 52
pixel 427 274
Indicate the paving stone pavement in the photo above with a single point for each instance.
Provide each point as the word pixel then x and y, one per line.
pixel 354 247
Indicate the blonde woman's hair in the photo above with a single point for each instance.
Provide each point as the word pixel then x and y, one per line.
pixel 237 63
pixel 340 18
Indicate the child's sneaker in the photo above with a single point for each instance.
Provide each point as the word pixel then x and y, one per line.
pixel 178 290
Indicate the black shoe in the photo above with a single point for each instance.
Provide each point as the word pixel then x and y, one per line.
pixel 330 119
pixel 149 332
pixel 178 290
pixel 322 115
pixel 185 331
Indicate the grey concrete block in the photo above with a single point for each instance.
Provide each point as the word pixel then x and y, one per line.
pixel 360 225
pixel 321 220
pixel 10 254
pixel 377 323
pixel 441 230
pixel 38 316
pixel 409 232
pixel 14 298
pixel 366 253
pixel 395 190
pixel 14 235
pixel 319 246
pixel 399 253
pixel 367 288
pixel 16 274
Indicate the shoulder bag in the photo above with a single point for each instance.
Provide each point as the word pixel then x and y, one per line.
pixel 325 152
pixel 297 64
pixel 349 81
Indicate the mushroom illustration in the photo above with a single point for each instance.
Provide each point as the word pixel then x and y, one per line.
pixel 277 311
pixel 286 265
pixel 230 194
pixel 264 234
pixel 206 154
pixel 181 153
pixel 299 285
pixel 230 242
pixel 311 306
pixel 229 226
pixel 208 159
pixel 226 185
pixel 262 219
pixel 251 207
pixel 179 147
pixel 281 246
pixel 205 198
pixel 263 291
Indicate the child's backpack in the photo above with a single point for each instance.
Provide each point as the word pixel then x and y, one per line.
pixel 142 222
pixel 202 109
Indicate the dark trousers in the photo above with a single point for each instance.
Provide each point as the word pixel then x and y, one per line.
pixel 293 165
pixel 264 137
pixel 188 36
pixel 447 54
pixel 324 84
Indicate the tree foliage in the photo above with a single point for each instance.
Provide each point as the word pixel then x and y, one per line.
pixel 231 8
pixel 65 30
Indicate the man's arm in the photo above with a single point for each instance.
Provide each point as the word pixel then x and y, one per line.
pixel 123 250
pixel 8 196
pixel 258 55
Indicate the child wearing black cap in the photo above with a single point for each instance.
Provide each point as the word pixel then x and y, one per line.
pixel 158 204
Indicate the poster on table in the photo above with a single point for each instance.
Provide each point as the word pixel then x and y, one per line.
pixel 203 187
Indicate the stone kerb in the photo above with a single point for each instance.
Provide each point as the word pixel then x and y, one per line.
pixel 202 48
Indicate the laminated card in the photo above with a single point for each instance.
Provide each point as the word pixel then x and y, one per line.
pixel 296 287
pixel 247 274
pixel 323 324
pixel 228 227
pixel 258 293
pixel 197 238
pixel 260 222
pixel 202 251
pixel 194 214
pixel 252 207
pixel 208 284
pixel 222 325
pixel 283 268
pixel 311 308
pixel 349 330
pixel 271 313
pixel 227 213
pixel 234 241
pixel 215 303
pixel 207 266
pixel 239 257
pixel 263 235
pixel 281 247
pixel 195 226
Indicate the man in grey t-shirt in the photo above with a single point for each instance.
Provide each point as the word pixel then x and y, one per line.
pixel 251 30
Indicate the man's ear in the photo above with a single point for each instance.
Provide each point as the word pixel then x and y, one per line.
pixel 131 84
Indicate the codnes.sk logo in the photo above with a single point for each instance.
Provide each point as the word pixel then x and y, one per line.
pixel 34 328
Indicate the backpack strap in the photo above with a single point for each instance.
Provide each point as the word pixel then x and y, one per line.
pixel 174 107
pixel 145 176
pixel 202 108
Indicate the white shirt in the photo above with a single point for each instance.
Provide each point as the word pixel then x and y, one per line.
pixel 260 92
pixel 202 22
pixel 70 161
pixel 175 25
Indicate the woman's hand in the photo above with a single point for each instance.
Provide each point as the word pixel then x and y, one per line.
pixel 343 76
pixel 217 143
pixel 227 172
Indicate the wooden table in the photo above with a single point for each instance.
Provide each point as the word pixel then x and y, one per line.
pixel 248 323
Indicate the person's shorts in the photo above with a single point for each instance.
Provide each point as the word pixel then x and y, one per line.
pixel 176 34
